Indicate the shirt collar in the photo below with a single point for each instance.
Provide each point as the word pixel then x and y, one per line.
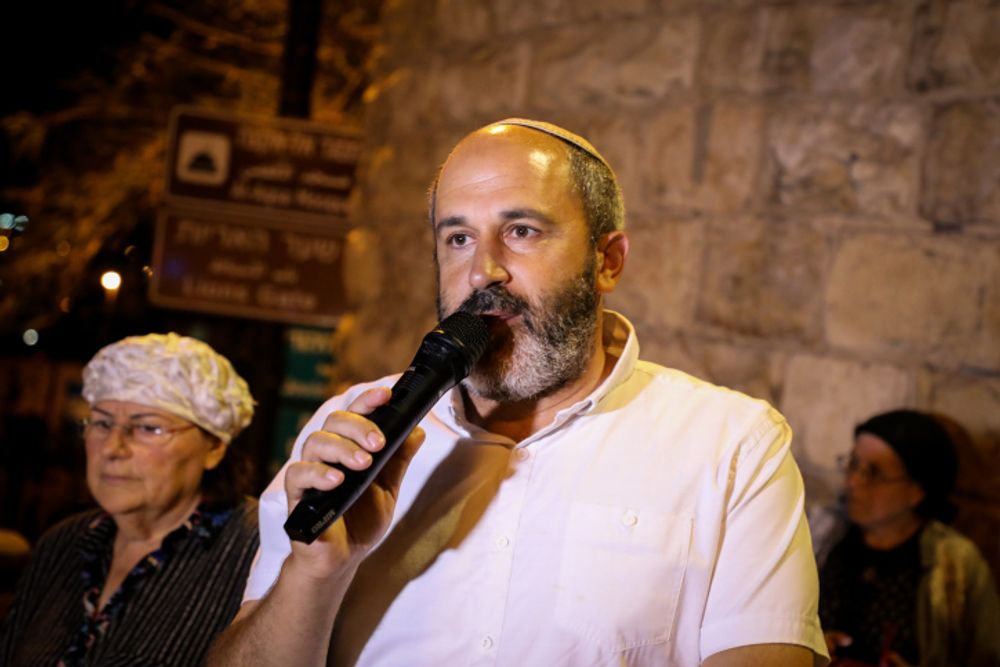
pixel 620 343
pixel 203 525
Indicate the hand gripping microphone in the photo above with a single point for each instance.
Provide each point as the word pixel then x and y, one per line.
pixel 445 358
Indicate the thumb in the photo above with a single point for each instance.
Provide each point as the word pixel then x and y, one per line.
pixel 391 476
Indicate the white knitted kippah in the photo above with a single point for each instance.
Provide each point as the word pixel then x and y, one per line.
pixel 177 374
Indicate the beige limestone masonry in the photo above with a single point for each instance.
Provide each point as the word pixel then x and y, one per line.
pixel 813 192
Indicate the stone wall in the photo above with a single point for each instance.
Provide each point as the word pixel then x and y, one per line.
pixel 813 194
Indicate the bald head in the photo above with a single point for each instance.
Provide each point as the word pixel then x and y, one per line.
pixel 560 153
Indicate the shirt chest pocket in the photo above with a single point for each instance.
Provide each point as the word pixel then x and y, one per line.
pixel 620 574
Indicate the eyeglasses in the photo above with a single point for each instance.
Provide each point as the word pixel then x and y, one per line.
pixel 150 434
pixel 866 473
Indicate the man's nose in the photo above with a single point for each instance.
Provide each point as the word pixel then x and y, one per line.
pixel 487 266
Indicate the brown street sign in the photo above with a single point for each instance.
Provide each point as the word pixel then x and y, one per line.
pixel 247 267
pixel 303 169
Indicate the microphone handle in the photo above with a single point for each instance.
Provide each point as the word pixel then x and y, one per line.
pixel 413 395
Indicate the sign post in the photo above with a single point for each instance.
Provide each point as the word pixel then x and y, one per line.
pixel 248 268
pixel 256 215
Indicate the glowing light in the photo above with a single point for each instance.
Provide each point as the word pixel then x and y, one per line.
pixel 30 337
pixel 4 243
pixel 111 280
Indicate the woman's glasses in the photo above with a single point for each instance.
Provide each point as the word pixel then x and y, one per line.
pixel 139 431
pixel 867 473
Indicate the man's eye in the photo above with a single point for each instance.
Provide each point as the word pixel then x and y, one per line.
pixel 522 231
pixel 101 424
pixel 457 240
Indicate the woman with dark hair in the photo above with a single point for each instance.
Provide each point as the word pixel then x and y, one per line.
pixel 901 587
pixel 158 571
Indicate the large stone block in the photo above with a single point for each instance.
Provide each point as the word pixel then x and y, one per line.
pixel 955 45
pixel 896 296
pixel 860 50
pixel 764 278
pixel 637 63
pixel 801 48
pixel 407 28
pixel 396 177
pixel 387 197
pixel 733 50
pixel 488 82
pixel 463 21
pixel 845 158
pixel 824 399
pixel 519 16
pixel 790 33
pixel 414 88
pixel 701 159
pixel 658 287
pixel 974 402
pixel 962 167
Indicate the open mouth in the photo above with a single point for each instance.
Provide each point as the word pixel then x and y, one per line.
pixel 497 315
pixel 499 320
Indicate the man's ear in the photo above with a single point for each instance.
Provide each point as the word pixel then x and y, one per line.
pixel 612 249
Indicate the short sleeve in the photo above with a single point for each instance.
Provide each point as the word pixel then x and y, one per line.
pixel 765 587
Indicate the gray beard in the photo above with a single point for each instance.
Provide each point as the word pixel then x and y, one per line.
pixel 548 350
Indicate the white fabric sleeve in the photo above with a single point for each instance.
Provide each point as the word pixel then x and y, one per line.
pixel 273 507
pixel 765 588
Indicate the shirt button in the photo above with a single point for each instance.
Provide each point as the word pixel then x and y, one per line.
pixel 487 642
pixel 630 518
pixel 502 542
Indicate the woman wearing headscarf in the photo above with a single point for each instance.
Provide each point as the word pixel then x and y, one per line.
pixel 154 574
pixel 901 587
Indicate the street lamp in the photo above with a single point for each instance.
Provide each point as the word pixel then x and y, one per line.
pixel 111 281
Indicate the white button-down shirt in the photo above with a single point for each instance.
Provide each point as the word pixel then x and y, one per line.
pixel 656 522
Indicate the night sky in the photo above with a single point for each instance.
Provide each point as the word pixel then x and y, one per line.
pixel 49 44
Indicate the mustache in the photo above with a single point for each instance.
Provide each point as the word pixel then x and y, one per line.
pixel 497 298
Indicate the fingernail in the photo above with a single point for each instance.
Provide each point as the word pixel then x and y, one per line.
pixel 362 457
pixel 334 475
pixel 375 439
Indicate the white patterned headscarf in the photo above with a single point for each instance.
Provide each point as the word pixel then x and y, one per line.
pixel 177 374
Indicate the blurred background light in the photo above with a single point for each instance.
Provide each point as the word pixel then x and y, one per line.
pixel 111 280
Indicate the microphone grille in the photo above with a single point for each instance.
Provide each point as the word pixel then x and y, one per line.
pixel 468 330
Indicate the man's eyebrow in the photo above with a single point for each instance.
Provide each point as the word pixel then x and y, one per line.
pixel 450 221
pixel 510 214
pixel 529 213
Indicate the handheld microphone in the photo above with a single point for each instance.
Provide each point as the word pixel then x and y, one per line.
pixel 445 357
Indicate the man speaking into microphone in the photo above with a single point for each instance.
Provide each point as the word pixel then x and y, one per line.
pixel 564 504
